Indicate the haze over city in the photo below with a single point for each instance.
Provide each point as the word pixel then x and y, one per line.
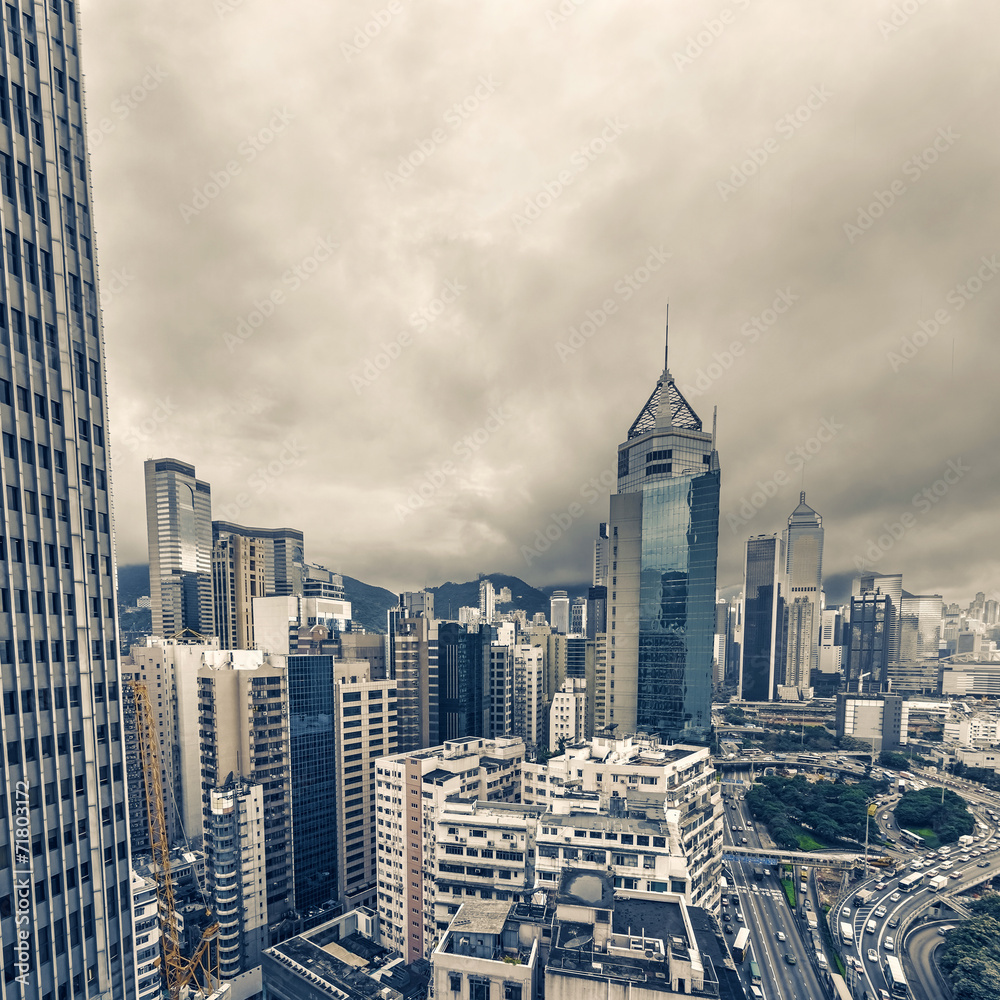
pixel 409 271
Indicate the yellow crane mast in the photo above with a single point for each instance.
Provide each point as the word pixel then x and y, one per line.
pixel 203 967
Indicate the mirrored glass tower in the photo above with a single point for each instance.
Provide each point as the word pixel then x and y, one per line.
pixel 664 534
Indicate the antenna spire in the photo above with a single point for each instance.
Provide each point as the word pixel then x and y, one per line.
pixel 666 337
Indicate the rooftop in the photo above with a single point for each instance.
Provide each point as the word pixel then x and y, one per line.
pixel 481 916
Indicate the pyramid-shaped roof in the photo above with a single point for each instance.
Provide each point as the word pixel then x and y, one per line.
pixel 804 514
pixel 681 414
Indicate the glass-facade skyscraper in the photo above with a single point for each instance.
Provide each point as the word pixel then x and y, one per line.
pixel 65 895
pixel 763 619
pixel 179 532
pixel 663 533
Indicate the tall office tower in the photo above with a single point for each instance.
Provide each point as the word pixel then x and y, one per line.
pixel 239 575
pixel 867 641
pixel 313 746
pixel 599 698
pixel 487 601
pixel 559 611
pixel 501 685
pixel 365 712
pixel 664 530
pixel 602 556
pixel 179 535
pixel 578 616
pixel 890 584
pixel 924 611
pixel 734 642
pixel 414 668
pixel 763 618
pixel 721 637
pixel 803 589
pixel 831 642
pixel 243 699
pixel 463 681
pixel 64 858
pixel 597 611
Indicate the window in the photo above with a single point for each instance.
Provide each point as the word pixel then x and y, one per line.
pixel 13 257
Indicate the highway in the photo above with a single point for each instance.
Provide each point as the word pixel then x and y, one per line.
pixel 765 911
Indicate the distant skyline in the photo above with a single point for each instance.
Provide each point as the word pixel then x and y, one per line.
pixel 396 275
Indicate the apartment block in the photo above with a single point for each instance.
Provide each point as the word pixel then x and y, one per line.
pixel 410 788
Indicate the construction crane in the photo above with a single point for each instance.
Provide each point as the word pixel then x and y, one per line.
pixel 203 967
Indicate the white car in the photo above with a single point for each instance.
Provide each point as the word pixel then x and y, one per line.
pixel 872 955
pixel 845 911
pixel 887 943
pixel 881 911
pixel 896 897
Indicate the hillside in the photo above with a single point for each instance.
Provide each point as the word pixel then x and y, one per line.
pixel 369 604
pixel 449 597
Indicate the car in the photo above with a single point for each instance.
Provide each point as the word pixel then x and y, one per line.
pixel 884 995
pixel 888 944
pixel 789 958
pixel 807 904
pixel 845 911
pixel 958 874
pixel 894 922
pixel 728 928
pixel 739 917
pixel 881 911
pixel 880 885
pixel 781 936
pixel 872 955
pixel 745 841
pixel 896 897
pixel 983 864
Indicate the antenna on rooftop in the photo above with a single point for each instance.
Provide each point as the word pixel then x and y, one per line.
pixel 666 336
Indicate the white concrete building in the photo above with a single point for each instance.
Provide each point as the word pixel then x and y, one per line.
pixel 568 713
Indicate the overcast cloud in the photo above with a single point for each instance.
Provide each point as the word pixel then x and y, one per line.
pixel 341 245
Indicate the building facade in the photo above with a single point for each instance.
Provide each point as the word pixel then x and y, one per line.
pixel 761 652
pixel 664 532
pixel 61 705
pixel 803 594
pixel 179 534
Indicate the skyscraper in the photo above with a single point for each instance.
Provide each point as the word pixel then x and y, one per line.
pixel 179 534
pixel 803 587
pixel 891 585
pixel 664 539
pixel 559 611
pixel 763 618
pixel 64 858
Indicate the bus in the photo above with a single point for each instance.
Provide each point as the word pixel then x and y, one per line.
pixel 809 758
pixel 840 988
pixel 895 978
pixel 755 973
pixel 741 945
pixel 911 881
pixel 912 838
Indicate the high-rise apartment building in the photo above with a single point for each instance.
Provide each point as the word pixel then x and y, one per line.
pixel 243 719
pixel 179 534
pixel 763 618
pixel 64 847
pixel 410 789
pixel 803 594
pixel 487 601
pixel 463 681
pixel 366 712
pixel 664 536
pixel 239 574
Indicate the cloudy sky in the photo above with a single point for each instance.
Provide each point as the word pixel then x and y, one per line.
pixel 396 273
